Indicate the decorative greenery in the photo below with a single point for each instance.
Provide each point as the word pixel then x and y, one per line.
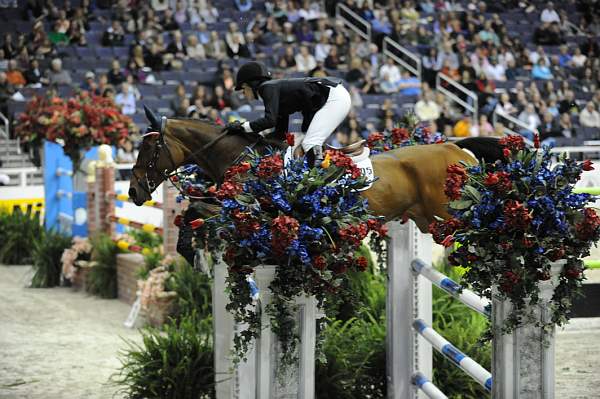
pixel 309 222
pixel 464 328
pixel 18 231
pixel 194 293
pixel 513 219
pixel 47 250
pixel 78 123
pixel 176 362
pixel 102 278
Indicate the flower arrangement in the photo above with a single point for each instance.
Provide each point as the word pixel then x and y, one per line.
pixel 156 299
pixel 80 250
pixel 515 217
pixel 308 221
pixel 77 123
pixel 415 134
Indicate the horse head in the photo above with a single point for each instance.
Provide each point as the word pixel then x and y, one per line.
pixel 154 162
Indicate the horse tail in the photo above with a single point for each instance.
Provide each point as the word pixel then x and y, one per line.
pixel 486 148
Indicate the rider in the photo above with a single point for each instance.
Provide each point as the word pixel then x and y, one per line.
pixel 323 102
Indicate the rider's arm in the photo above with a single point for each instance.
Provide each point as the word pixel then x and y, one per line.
pixel 270 95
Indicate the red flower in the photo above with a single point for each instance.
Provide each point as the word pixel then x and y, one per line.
pixel 362 263
pixel 506 152
pixel 516 215
pixel 236 170
pixel 455 180
pixel 512 142
pixel 589 226
pixel 587 165
pixel 373 139
pixel 289 137
pixel 319 263
pixel 448 241
pixel 510 279
pixel 178 221
pixel 340 160
pixel 270 166
pixel 491 179
pixel 536 140
pixel 442 229
pixel 197 223
pixel 399 135
pixel 355 234
pixel 284 230
pixel 573 273
pixel 229 190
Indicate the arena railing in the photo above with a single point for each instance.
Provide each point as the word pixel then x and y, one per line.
pixel 472 106
pixel 352 20
pixel 389 46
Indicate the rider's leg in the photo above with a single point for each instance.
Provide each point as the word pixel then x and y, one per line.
pixel 325 121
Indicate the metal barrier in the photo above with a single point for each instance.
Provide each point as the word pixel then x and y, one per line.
pixel 473 107
pixel 352 20
pixel 496 116
pixel 389 46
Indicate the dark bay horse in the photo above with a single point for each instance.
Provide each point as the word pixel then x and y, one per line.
pixel 410 180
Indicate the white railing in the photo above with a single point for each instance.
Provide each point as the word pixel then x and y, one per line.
pixel 21 173
pixel 415 68
pixel 497 115
pixel 4 132
pixel 472 107
pixel 352 20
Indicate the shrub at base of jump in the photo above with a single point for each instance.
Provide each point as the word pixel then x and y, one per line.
pixel 18 231
pixel 513 219
pixel 47 251
pixel 176 362
pixel 102 277
pixel 464 328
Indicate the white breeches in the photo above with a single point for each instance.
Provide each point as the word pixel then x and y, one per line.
pixel 328 118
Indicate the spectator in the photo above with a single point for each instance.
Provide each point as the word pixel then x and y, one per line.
pixel 57 75
pixel 195 50
pixel 355 76
pixel 243 5
pixel 216 47
pixel 154 59
pixel 6 92
pixel 34 76
pixel 389 76
pixel 549 14
pixel 126 99
pixel 14 76
pixel 462 128
pixel 207 12
pixel 305 61
pixel 114 35
pixel 589 117
pixel 76 34
pixel 494 70
pixel 409 85
pixel 137 64
pixel 305 34
pixel 484 128
pixel 578 60
pixel 322 49
pixel 566 126
pixel 548 128
pixel 126 153
pixel 90 83
pixel 332 61
pixel 168 22
pixel 115 75
pixel 203 34
pixel 568 104
pixel 504 106
pixel 180 94
pixel 180 15
pixel 176 47
pixel 236 49
pixel 426 108
pixel 287 60
pixel 432 64
pixel 541 71
pixel 564 58
pixel 530 118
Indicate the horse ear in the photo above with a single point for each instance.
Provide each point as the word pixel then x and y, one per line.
pixel 154 120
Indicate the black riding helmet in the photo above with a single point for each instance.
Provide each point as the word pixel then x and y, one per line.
pixel 252 73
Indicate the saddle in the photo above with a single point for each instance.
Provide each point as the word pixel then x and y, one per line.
pixel 352 150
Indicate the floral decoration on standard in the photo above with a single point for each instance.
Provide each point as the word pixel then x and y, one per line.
pixel 513 219
pixel 308 221
pixel 403 137
pixel 78 123
pixel 81 250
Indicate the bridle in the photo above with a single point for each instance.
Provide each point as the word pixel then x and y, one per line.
pixel 150 185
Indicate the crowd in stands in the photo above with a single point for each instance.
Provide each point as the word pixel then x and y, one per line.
pixel 544 73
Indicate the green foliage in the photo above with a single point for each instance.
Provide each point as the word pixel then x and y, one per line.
pixel 18 231
pixel 194 292
pixel 463 327
pixel 47 251
pixel 151 262
pixel 175 363
pixel 146 239
pixel 102 278
pixel 355 360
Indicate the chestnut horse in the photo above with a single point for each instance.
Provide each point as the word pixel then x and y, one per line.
pixel 410 180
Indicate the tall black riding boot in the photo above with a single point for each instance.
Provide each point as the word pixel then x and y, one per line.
pixel 314 156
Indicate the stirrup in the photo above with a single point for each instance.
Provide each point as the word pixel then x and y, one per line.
pixel 314 156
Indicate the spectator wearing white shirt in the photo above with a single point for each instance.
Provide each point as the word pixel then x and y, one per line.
pixel 426 108
pixel 578 59
pixel 126 99
pixel 305 61
pixel 389 75
pixel 322 49
pixel 549 14
pixel 494 71
pixel 589 117
pixel 530 118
